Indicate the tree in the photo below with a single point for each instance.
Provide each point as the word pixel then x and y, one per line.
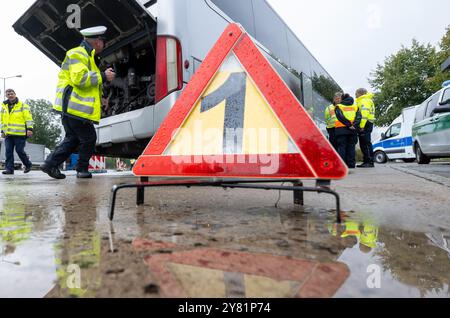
pixel 436 81
pixel 325 86
pixel 47 130
pixel 403 80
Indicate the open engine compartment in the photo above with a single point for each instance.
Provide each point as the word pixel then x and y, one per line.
pixel 130 44
pixel 134 86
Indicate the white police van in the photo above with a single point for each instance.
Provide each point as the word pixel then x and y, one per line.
pixel 397 142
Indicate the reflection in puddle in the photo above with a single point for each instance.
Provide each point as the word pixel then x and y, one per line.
pixel 55 249
pixel 78 256
pixel 372 253
pixel 15 225
pixel 392 263
pixel 210 272
pixel 27 238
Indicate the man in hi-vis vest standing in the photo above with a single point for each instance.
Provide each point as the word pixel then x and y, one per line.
pixel 364 101
pixel 78 99
pixel 330 118
pixel 17 126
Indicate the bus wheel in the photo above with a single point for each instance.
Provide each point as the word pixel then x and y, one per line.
pixel 421 158
pixel 380 157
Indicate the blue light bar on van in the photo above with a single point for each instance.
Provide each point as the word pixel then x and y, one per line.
pixel 445 84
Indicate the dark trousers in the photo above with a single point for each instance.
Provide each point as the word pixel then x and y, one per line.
pixel 365 142
pixel 19 143
pixel 332 137
pixel 346 148
pixel 81 136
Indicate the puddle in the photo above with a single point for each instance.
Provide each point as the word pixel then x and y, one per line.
pixel 64 246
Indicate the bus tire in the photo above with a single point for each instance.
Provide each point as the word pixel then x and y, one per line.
pixel 380 157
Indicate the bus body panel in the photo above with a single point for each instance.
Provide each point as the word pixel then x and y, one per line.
pixel 197 24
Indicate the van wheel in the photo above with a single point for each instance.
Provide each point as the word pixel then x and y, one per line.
pixel 421 158
pixel 380 157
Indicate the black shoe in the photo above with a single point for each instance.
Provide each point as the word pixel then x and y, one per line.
pixel 52 172
pixel 84 175
pixel 366 165
pixel 8 172
pixel 27 169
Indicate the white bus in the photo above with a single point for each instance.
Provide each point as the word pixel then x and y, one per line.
pixel 156 47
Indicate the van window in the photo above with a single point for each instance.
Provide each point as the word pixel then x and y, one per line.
pixel 394 131
pixel 432 104
pixel 420 113
pixel 446 95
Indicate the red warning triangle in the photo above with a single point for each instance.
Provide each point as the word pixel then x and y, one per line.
pixel 238 119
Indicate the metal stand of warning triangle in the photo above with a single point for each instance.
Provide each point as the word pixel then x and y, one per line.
pixel 297 188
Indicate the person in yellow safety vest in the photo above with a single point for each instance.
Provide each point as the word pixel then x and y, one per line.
pixel 330 118
pixel 78 99
pixel 369 237
pixel 366 106
pixel 17 126
pixel 15 226
pixel 348 119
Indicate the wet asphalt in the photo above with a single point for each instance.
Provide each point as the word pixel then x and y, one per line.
pixel 56 239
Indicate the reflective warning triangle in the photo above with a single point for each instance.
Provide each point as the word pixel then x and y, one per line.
pixel 238 119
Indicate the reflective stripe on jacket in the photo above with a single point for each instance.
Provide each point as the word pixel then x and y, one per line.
pixel 330 116
pixel 367 108
pixel 17 121
pixel 81 77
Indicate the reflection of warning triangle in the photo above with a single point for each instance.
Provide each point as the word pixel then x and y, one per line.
pixel 238 119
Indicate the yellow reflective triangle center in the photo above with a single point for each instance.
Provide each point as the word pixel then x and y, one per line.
pixel 231 117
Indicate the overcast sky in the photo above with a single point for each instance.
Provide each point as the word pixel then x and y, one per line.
pixel 348 37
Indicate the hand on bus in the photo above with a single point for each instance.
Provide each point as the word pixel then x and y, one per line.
pixel 105 103
pixel 110 75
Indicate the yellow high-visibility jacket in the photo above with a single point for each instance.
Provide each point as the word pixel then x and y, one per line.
pixel 351 229
pixel 330 116
pixel 369 236
pixel 349 112
pixel 81 78
pixel 17 121
pixel 15 226
pixel 367 108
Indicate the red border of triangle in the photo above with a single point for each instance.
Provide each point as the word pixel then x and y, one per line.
pixel 317 160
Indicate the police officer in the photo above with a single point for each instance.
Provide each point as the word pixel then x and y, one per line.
pixel 366 106
pixel 330 118
pixel 368 238
pixel 348 119
pixel 17 126
pixel 78 99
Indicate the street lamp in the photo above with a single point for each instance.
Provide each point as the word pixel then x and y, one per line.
pixel 4 83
